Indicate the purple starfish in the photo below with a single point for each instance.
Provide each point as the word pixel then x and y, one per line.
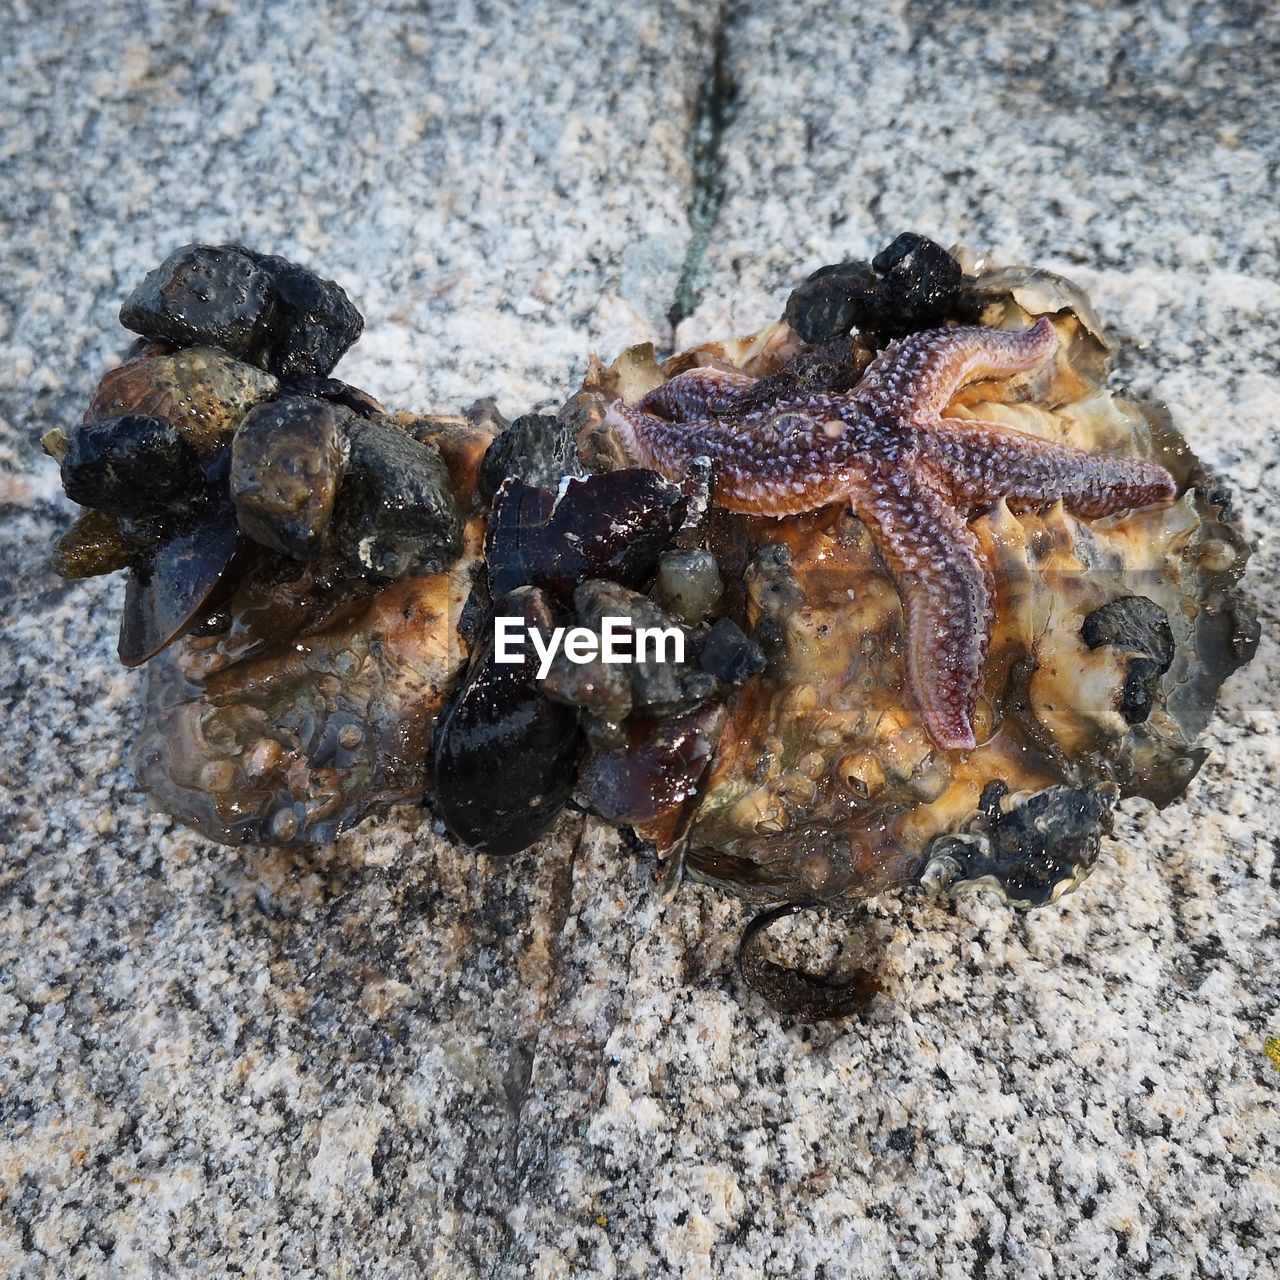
pixel 912 475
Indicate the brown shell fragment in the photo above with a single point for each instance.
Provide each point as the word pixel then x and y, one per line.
pixel 287 458
pixel 461 443
pixel 201 391
pixel 810 997
pixel 657 768
pixel 94 545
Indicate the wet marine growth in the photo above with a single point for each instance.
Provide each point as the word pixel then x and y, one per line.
pixel 946 598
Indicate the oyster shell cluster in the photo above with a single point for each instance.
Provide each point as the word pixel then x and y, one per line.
pixel 312 583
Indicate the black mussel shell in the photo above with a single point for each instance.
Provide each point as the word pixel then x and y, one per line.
pixel 334 391
pixel 911 284
pixel 316 321
pixel 614 525
pixel 830 300
pixel 1139 624
pixel 170 591
pixel 506 755
pixel 206 295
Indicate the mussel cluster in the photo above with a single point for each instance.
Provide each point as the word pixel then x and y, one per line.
pixel 313 583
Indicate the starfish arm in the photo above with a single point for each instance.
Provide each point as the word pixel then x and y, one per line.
pixel 922 373
pixel 981 463
pixel 767 463
pixel 697 393
pixel 666 446
pixel 946 593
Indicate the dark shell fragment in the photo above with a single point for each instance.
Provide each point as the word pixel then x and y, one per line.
pixel 660 685
pixel 659 766
pixel 921 285
pixel 315 320
pixel 910 285
pixel 1033 851
pixel 336 392
pixel 1131 622
pixel 830 300
pixel 614 525
pixel 536 448
pixel 206 295
pixel 1139 624
pixel 287 459
pixel 135 466
pixel 811 997
pixel 170 591
pixel 396 514
pixel 506 755
pixel 729 654
pixel 257 307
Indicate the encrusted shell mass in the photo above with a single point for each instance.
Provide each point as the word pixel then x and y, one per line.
pixel 314 583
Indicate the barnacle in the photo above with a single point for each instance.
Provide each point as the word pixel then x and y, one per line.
pixel 314 582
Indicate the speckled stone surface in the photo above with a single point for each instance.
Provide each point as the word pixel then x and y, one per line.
pixel 391 1058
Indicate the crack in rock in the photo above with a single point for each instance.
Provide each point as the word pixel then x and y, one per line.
pixel 714 113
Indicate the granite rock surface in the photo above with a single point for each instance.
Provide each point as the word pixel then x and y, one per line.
pixel 392 1058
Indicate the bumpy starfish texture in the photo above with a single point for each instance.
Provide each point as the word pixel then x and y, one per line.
pixel 911 474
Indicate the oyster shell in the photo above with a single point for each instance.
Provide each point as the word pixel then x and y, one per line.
pixel 827 787
pixel 301 740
